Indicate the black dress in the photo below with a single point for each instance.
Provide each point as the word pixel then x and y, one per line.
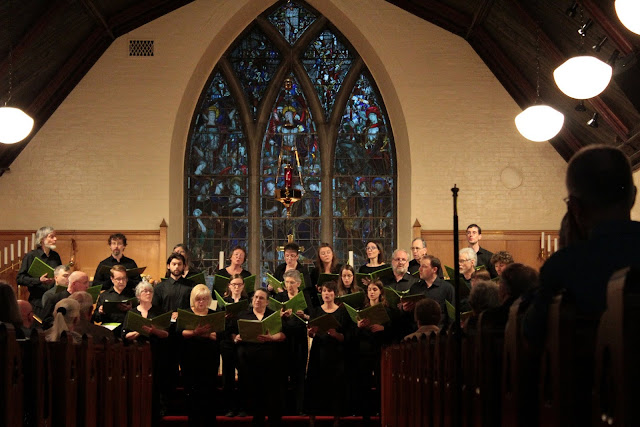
pixel 326 372
pixel 261 376
pixel 200 360
pixel 315 273
pixel 229 353
pixel 368 270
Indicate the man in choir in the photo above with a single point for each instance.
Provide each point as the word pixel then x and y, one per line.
pixel 118 292
pixel 37 286
pixel 433 287
pixel 174 292
pixel 467 261
pixel 401 280
pixel 483 256
pixel 418 250
pixel 61 278
pixel 26 312
pixel 117 244
pixel 78 282
pixel 603 239
pixel 85 325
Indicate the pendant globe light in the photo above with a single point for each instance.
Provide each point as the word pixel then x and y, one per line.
pixel 539 122
pixel 629 14
pixel 15 124
pixel 583 76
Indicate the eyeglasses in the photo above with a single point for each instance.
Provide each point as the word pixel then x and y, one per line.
pixel 146 291
pixel 236 284
pixel 464 260
pixel 372 248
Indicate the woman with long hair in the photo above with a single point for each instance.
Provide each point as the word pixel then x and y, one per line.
pixel 326 262
pixel 347 283
pixel 375 257
pixel 66 316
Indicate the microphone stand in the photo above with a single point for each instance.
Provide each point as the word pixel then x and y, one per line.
pixel 457 330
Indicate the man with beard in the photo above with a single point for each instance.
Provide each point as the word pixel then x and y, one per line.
pixel 401 280
pixel 174 292
pixel 37 286
pixel 117 243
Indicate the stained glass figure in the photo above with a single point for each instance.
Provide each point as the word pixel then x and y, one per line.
pixel 363 184
pixel 217 184
pixel 327 61
pixel 290 130
pixel 255 60
pixel 291 19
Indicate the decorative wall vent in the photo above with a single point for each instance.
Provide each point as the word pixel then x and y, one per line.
pixel 140 47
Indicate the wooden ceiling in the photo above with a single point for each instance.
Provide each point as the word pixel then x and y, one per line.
pixel 56 42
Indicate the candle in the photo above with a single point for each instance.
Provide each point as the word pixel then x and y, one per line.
pixel 287 176
pixel 33 241
pixel 19 248
pixel 555 244
pixel 221 260
pixel 542 241
pixel 26 245
pixel 6 259
pixel 351 258
pixel 548 242
pixel 12 258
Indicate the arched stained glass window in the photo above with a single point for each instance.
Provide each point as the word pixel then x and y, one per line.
pixel 304 97
pixel 217 169
pixel 363 184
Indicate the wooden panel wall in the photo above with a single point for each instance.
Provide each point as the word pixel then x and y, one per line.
pixel 523 245
pixel 88 247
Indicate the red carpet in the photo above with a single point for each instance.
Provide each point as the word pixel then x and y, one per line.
pixel 175 421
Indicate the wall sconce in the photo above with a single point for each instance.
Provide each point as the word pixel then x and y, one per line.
pixel 585 27
pixel 601 43
pixel 629 14
pixel 593 122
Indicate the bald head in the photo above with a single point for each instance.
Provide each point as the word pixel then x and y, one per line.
pixel 26 312
pixel 78 282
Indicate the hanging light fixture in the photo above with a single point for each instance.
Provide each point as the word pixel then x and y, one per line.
pixel 539 122
pixel 583 76
pixel 15 124
pixel 593 122
pixel 629 14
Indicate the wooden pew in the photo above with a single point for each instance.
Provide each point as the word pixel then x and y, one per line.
pixel 386 389
pixel 490 346
pixel 106 389
pixel 11 377
pixel 134 384
pixel 37 379
pixel 87 383
pixel 437 391
pixel 617 377
pixel 64 381
pixel 520 368
pixel 146 369
pixel 468 385
pixel 120 378
pixel 429 349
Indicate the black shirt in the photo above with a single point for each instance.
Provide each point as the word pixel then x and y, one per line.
pixel 439 291
pixel 403 284
pixel 414 266
pixel 36 288
pixel 171 294
pixel 484 258
pixel 104 278
pixel 112 295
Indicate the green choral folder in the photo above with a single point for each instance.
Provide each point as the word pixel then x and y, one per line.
pixel 250 329
pixel 327 277
pixel 355 299
pixel 382 274
pixel 296 303
pixel 189 321
pixel 135 322
pixel 231 307
pixel 376 314
pixel 451 311
pixel 393 297
pixel 39 267
pixel 324 322
pixel 94 291
pixel 198 279
pixel 114 306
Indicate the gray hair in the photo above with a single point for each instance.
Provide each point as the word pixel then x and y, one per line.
pixel 424 242
pixel 85 300
pixel 42 233
pixel 142 286
pixel 471 254
pixel 393 255
pixel 61 269
pixel 293 274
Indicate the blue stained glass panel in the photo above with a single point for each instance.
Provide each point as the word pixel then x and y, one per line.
pixel 291 20
pixel 217 180
pixel 327 61
pixel 255 60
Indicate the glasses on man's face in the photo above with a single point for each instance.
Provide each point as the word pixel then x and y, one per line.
pixel 463 260
pixel 146 291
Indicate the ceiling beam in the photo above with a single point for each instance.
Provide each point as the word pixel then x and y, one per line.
pixel 480 15
pixel 97 15
pixel 611 30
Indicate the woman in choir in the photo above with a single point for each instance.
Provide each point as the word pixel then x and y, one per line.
pixel 66 316
pixel 200 361
pixel 159 348
pixel 189 269
pixel 325 375
pixel 259 365
pixel 238 256
pixel 375 255
pixel 347 281
pixel 294 327
pixel 45 250
pixel 235 293
pixel 371 338
pixel 326 262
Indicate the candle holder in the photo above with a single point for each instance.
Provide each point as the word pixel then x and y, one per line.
pixel 543 255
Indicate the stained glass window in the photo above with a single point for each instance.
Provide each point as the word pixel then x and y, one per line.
pixel 291 19
pixel 217 184
pixel 217 171
pixel 290 138
pixel 255 60
pixel 363 183
pixel 327 61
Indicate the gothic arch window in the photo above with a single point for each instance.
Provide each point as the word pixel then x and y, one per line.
pixel 290 90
